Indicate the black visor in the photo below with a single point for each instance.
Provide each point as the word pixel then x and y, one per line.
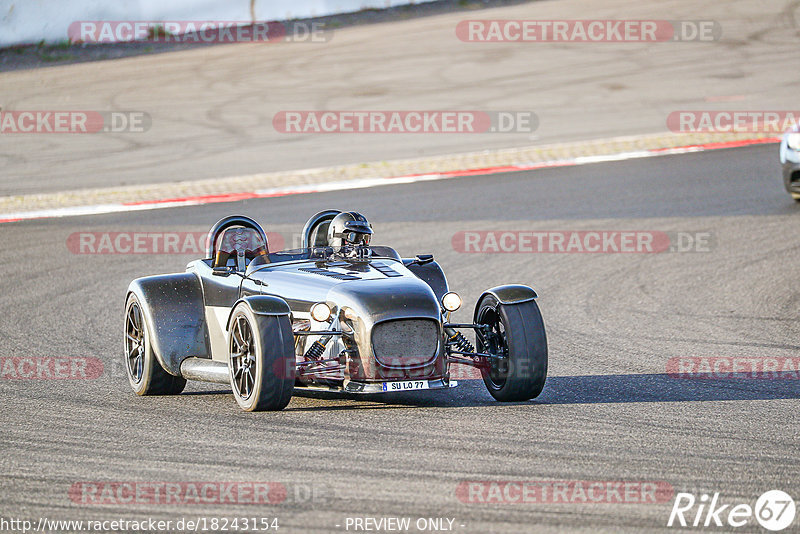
pixel 356 238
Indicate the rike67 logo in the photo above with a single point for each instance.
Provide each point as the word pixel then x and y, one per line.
pixel 774 510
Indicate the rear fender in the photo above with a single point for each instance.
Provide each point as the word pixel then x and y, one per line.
pixel 173 307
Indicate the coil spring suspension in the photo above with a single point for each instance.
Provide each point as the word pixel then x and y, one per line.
pixel 315 351
pixel 459 342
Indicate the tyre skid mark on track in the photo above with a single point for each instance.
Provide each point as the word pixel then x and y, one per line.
pixel 369 182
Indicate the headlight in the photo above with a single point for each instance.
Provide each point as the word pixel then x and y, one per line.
pixel 451 301
pixel 793 141
pixel 320 312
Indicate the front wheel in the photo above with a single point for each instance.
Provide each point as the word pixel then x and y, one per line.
pixel 261 360
pixel 517 341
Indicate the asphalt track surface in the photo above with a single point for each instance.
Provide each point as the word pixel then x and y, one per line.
pixel 212 107
pixel 609 411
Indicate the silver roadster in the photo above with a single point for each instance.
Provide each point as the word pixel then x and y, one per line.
pixel 338 314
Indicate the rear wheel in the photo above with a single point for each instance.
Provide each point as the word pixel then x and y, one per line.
pixel 145 374
pixel 261 360
pixel 518 342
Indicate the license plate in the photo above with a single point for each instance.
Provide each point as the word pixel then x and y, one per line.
pixel 405 385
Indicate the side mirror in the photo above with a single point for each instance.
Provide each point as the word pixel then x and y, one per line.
pixel 222 271
pixel 422 259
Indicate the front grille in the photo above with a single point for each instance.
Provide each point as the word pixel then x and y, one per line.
pixel 403 343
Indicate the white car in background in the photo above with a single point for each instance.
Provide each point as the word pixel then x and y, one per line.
pixel 790 159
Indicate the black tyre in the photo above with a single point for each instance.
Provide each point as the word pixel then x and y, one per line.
pixel 519 339
pixel 261 360
pixel 145 374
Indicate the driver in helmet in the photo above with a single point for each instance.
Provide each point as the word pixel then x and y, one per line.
pixel 349 234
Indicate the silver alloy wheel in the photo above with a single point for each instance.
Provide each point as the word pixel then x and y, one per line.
pixel 243 358
pixel 135 342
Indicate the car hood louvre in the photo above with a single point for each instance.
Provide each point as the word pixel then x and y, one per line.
pixel 332 274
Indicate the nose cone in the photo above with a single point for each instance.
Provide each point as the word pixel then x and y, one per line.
pixel 397 327
pixel 379 300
